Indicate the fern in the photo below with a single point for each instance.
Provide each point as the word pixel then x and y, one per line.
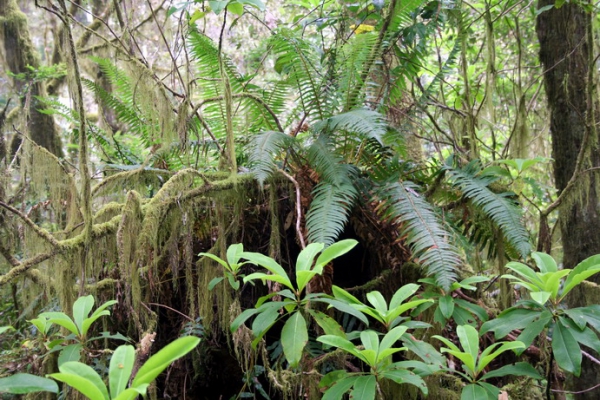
pixel 365 123
pixel 426 236
pixel 499 207
pixel 329 211
pixel 263 148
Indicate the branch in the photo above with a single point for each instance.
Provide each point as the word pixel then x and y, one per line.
pixel 39 231
pixel 298 208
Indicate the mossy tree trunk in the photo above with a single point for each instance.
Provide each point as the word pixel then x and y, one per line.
pixel 18 53
pixel 565 46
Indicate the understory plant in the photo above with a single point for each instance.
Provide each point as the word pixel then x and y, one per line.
pixel 474 362
pixel 545 313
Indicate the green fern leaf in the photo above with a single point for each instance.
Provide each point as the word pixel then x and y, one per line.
pixel 366 123
pixel 263 149
pixel 426 236
pixel 499 207
pixel 329 211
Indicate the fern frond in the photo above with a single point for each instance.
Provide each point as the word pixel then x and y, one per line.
pixel 263 148
pixel 499 207
pixel 329 211
pixel 298 61
pixel 328 164
pixel 365 123
pixel 419 222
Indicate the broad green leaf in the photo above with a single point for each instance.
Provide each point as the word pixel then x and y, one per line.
pixel 403 376
pixel 132 393
pixel 61 319
pixel 218 5
pixel 100 311
pixel 492 391
pixel 566 350
pixel 467 283
pixel 81 384
pixel 265 262
pixel 544 262
pixel 527 273
pixel 488 356
pixel 307 256
pixel 586 337
pixel 424 351
pixel 341 343
pixel 86 372
pixel 343 295
pixel 42 325
pixel 334 251
pixel 4 329
pixel 402 294
pixel 328 324
pixel 214 282
pixel 579 275
pixel 472 309
pixel 337 391
pixel 89 321
pixel 119 371
pixel 469 340
pixel 27 383
pixel 509 320
pixel 376 299
pixel 364 388
pixel 590 313
pixel 283 279
pixel 332 377
pixel 466 358
pixel 81 310
pixel 446 305
pixel 370 340
pixel 161 360
pixel 294 337
pixel 71 352
pixel 392 337
pixel 346 308
pixel 396 311
pixel 217 259
pixel 266 318
pixel 303 277
pixel 540 297
pixel 240 319
pixel 254 3
pixel 533 330
pixel 518 369
pixel 234 252
pixel 473 392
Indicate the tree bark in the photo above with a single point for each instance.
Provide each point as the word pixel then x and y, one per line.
pixel 18 54
pixel 564 53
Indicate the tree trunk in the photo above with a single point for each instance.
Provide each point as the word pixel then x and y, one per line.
pixel 18 54
pixel 564 53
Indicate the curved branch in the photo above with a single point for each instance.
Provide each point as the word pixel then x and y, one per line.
pixel 39 231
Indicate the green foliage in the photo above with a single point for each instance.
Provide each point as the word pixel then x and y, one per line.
pixel 294 334
pixel 388 315
pixel 452 307
pixel 78 326
pixel 231 267
pixel 474 362
pixel 426 235
pixel 27 383
pixel 545 312
pixel 499 207
pixel 377 355
pixel 87 381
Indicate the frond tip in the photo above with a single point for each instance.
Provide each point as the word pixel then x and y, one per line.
pixel 426 236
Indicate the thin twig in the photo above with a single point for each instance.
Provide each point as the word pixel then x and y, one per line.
pixel 298 208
